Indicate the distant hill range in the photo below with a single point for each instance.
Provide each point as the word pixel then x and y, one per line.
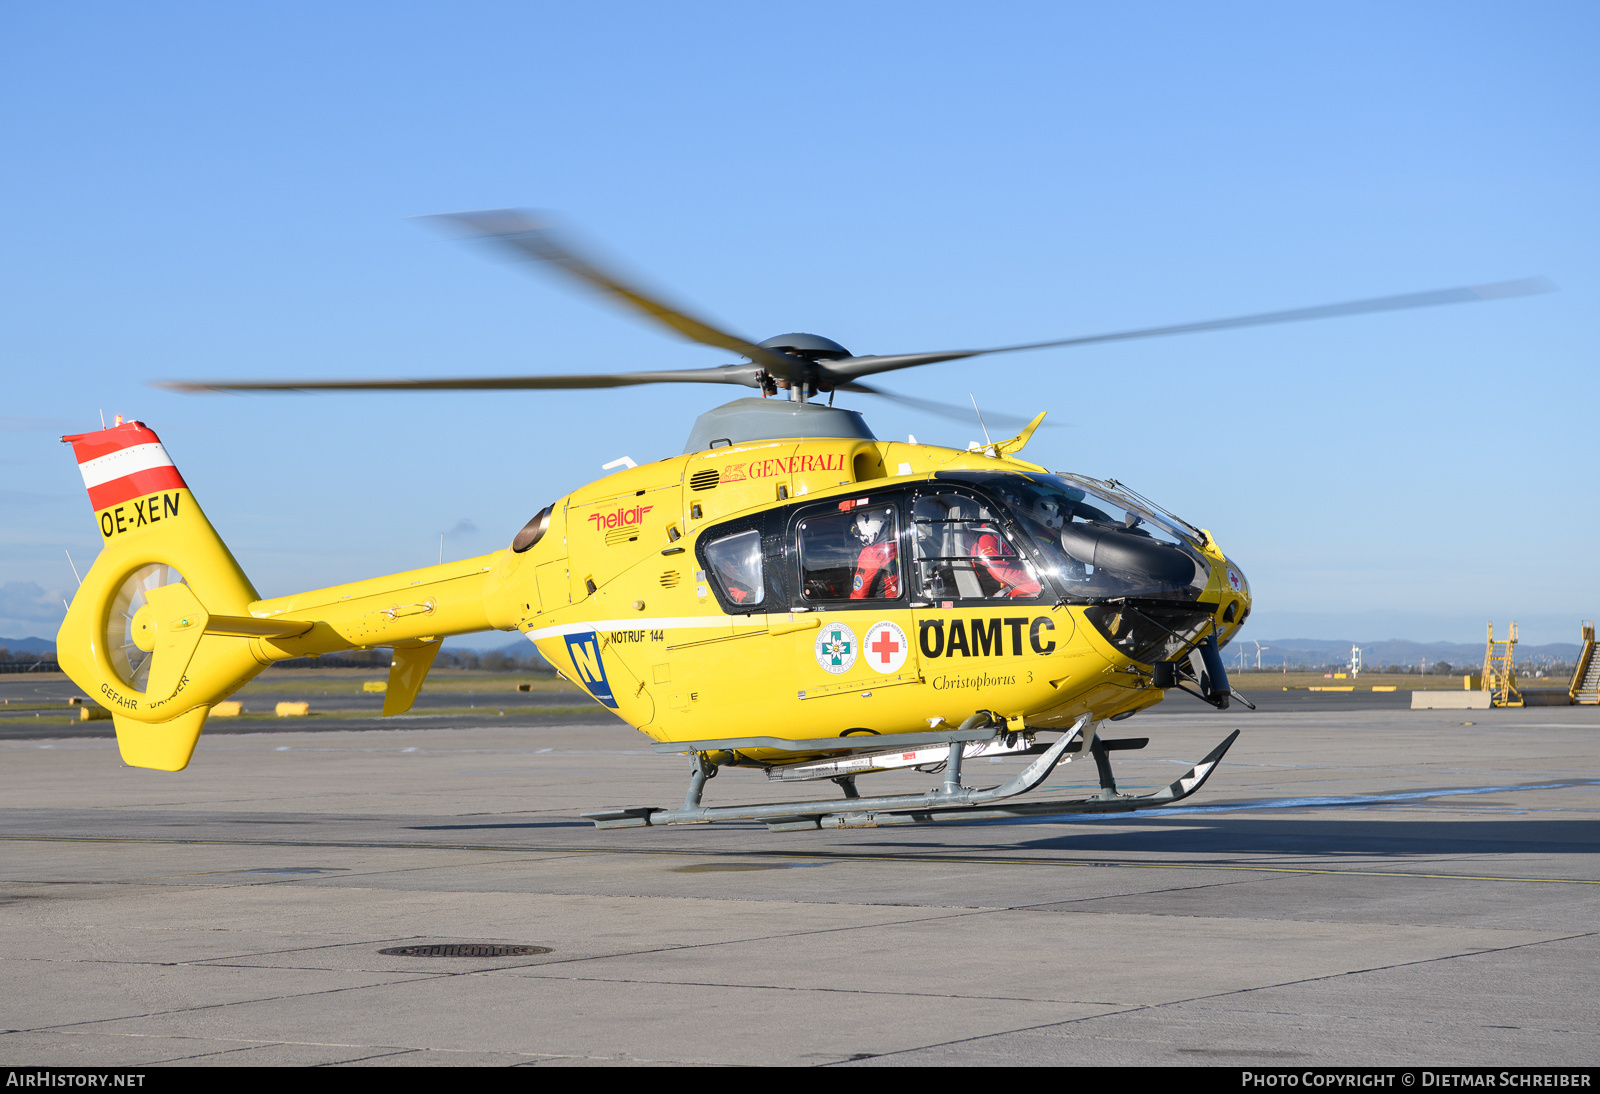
pixel 29 646
pixel 1394 651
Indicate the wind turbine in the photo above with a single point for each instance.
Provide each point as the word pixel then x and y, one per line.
pixel 1259 648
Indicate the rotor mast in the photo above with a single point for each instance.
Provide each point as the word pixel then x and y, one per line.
pixel 807 349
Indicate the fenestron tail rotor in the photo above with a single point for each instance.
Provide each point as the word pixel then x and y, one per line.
pixel 129 637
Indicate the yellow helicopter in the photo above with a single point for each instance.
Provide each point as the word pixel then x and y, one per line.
pixel 789 594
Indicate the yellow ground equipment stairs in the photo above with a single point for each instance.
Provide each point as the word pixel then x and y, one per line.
pixel 1585 687
pixel 1500 670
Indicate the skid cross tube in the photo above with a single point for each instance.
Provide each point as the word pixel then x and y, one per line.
pixel 700 769
pixel 1101 751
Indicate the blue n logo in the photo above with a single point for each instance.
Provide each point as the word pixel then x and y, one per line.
pixel 584 650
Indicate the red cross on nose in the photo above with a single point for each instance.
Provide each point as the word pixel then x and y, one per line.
pixel 885 647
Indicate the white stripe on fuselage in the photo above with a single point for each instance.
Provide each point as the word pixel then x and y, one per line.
pixel 674 623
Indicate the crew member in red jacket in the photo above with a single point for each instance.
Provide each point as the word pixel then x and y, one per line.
pixel 878 565
pixel 1015 578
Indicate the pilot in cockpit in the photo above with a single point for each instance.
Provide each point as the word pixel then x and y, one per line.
pixel 1016 577
pixel 878 565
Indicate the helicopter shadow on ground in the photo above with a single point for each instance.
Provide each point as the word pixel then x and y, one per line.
pixel 488 827
pixel 1334 838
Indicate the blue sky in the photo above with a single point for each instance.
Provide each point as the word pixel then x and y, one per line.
pixel 200 191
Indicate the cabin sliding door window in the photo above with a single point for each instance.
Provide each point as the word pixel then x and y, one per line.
pixel 851 553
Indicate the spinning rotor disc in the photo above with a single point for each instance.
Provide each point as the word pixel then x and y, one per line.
pixel 803 365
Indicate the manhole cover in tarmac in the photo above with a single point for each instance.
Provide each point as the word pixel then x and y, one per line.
pixel 465 949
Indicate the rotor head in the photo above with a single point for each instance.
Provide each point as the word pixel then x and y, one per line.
pixel 809 347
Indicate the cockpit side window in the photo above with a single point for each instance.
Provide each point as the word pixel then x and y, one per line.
pixel 735 562
pixel 850 552
pixel 1088 542
pixel 962 553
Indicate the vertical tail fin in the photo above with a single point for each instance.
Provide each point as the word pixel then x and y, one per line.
pixel 138 635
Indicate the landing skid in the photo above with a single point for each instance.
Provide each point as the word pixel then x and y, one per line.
pixel 951 802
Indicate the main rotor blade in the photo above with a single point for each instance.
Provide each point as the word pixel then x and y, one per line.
pixel 746 375
pixel 953 411
pixel 850 367
pixel 527 238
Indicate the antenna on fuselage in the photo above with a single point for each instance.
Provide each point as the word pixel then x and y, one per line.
pixel 988 444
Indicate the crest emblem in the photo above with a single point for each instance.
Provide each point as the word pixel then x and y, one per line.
pixel 836 648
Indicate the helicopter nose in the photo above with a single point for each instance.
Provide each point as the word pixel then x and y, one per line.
pixel 1237 593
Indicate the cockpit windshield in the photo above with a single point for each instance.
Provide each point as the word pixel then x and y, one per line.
pixel 1130 500
pixel 1096 542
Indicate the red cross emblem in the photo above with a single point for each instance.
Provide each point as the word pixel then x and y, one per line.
pixel 885 647
pixel 889 642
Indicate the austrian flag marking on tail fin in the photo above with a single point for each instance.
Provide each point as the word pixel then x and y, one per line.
pixel 123 463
